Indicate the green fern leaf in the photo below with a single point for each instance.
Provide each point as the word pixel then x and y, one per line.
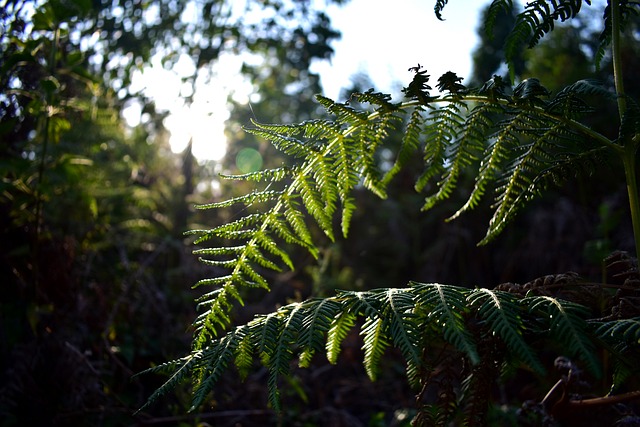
pixel 502 314
pixel 464 151
pixel 315 205
pixel 446 305
pixel 281 354
pixel 535 21
pixel 247 200
pixel 296 219
pixel 494 10
pixel 443 130
pixel 380 100
pixel 375 343
pixel 622 330
pixel 566 322
pixel 404 328
pixel 315 325
pixel 178 369
pixel 282 229
pixel 270 175
pixel 245 351
pixel 505 140
pixel 410 144
pixel 214 362
pixel 341 324
pixel 343 112
pixel 269 331
pixel 517 182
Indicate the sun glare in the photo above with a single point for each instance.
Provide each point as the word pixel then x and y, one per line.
pixel 201 121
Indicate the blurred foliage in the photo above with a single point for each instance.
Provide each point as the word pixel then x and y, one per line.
pixel 92 213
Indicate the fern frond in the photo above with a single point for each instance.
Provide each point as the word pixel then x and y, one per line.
pixel 446 305
pixel 315 204
pixel 622 330
pixel 247 200
pixel 538 19
pixel 502 314
pixel 281 354
pixel 245 352
pixel 340 326
pixel 343 112
pixel 443 128
pixel 180 369
pixel 410 143
pixel 295 218
pixel 494 10
pixel 440 4
pixel 466 149
pixel 214 362
pixel 517 183
pixel 289 145
pixel 566 322
pixel 375 344
pixel 404 328
pixel 316 324
pixel 628 10
pixel 380 100
pixel 498 152
pixel 271 175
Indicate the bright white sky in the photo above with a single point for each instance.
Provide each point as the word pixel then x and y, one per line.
pixel 408 33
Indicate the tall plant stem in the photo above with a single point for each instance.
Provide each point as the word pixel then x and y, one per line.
pixel 630 146
pixel 629 161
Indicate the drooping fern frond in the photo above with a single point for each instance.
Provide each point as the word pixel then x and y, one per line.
pixel 443 126
pixel 446 306
pixel 407 318
pixel 538 19
pixel 568 325
pixel 335 157
pixel 628 10
pixel 625 331
pixel 464 150
pixel 495 8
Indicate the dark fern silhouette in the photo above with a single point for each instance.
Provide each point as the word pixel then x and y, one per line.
pixel 517 141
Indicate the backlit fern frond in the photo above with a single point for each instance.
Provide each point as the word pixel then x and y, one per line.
pixel 566 321
pixel 407 318
pixel 464 150
pixel 410 144
pixel 538 19
pixel 495 8
pixel 334 156
pixel 497 155
pixel 446 305
pixel 629 9
pixel 501 312
pixel 443 126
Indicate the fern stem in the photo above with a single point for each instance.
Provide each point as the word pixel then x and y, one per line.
pixel 629 161
pixel 630 148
